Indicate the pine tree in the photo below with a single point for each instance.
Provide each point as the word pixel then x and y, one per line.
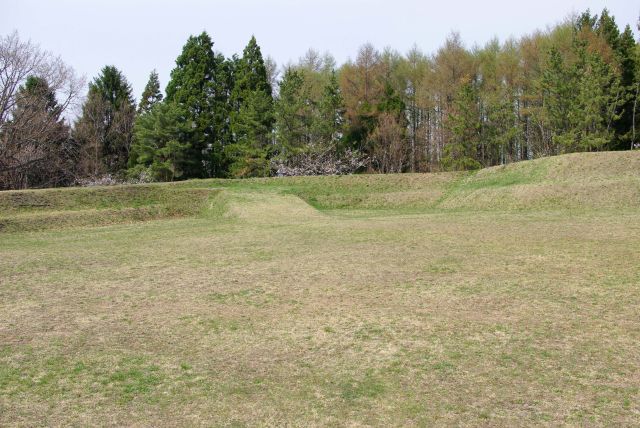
pixel 105 128
pixel 628 63
pixel 199 85
pixel 597 103
pixel 607 28
pixel 499 128
pixel 151 94
pixel 291 129
pixel 581 100
pixel 158 148
pixel 391 102
pixel 635 98
pixel 252 115
pixel 330 124
pixel 559 89
pixel 464 125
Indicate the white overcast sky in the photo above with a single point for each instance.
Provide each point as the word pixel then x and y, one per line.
pixel 139 35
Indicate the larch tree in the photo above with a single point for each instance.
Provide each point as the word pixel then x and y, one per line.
pixel 362 87
pixel 413 71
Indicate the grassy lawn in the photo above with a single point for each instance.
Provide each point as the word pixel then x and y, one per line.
pixel 506 297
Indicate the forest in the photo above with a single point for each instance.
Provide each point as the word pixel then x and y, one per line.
pixel 573 87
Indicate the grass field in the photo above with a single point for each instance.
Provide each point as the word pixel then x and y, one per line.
pixel 505 297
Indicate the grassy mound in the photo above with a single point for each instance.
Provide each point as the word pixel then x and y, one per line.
pixel 77 207
pixel 576 181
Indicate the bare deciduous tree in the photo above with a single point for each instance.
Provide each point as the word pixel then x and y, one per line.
pixel 32 129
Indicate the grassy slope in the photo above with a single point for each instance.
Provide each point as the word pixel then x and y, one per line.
pixel 506 297
pixel 577 181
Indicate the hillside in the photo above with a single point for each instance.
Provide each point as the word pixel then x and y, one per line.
pixel 574 181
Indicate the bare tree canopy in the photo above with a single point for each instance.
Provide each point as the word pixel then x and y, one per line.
pixel 37 91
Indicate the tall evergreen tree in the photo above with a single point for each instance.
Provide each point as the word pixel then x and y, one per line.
pixel 636 98
pixel 594 107
pixel 291 126
pixel 622 48
pixel 627 58
pixel 252 115
pixel 105 128
pixel 559 89
pixel 465 127
pixel 330 124
pixel 159 148
pixel 151 94
pixel 199 85
pixel 607 28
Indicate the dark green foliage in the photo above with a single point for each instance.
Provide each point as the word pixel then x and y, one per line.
pixel 607 28
pixel 37 90
pixel 558 90
pixel 112 87
pixel 200 85
pixel 465 127
pixel 627 57
pixel 500 131
pixel 391 102
pixel 157 147
pixel 291 116
pixel 151 94
pixel 105 128
pixel 331 122
pixel 252 115
pixel 623 50
pixel 581 100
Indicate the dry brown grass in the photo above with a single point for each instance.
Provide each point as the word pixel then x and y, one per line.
pixel 277 314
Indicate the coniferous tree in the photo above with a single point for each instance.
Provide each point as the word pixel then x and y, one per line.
pixel 627 57
pixel 291 129
pixel 362 87
pixel 622 53
pixel 330 123
pixel 105 129
pixel 413 70
pixel 636 98
pixel 199 85
pixel 159 148
pixel 596 105
pixel 607 28
pixel 151 94
pixel 559 88
pixel 252 115
pixel 464 125
pixel 499 128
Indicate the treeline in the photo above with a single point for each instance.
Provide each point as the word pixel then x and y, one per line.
pixel 574 87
